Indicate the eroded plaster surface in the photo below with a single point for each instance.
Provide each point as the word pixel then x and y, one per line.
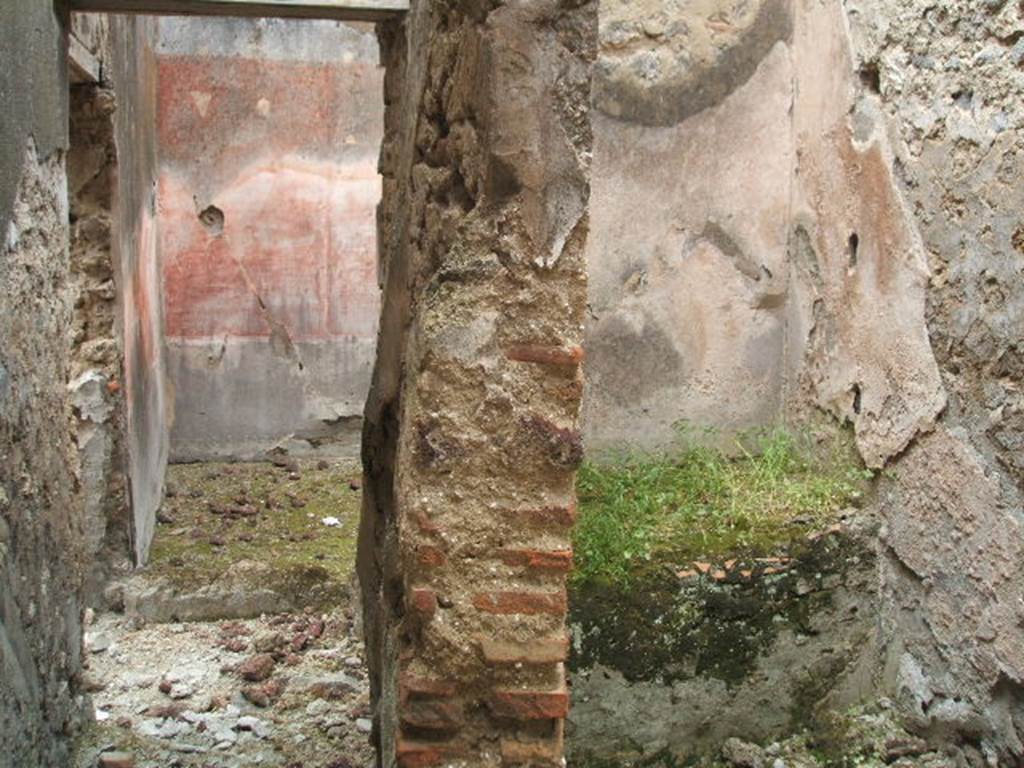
pixel 269 132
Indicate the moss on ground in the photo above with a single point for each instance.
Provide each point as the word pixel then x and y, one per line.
pixel 219 516
pixel 689 565
pixel 700 504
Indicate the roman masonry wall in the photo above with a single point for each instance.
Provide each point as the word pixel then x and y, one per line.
pixel 804 208
pixel 269 131
pixel 471 438
pixel 54 303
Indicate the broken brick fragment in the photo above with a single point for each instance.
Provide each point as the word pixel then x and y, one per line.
pixel 256 668
pixel 264 694
pixel 430 556
pixel 546 355
pixel 422 603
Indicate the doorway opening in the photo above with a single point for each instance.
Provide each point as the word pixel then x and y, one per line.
pixel 223 188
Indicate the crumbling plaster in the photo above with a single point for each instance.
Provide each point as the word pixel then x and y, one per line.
pixel 950 96
pixel 804 206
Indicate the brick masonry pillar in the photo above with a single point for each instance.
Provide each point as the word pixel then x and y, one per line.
pixel 471 440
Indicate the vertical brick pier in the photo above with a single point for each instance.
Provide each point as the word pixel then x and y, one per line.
pixel 471 440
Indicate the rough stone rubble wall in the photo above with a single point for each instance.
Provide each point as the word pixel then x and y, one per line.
pixel 267 231
pixel 96 369
pixel 947 84
pixel 471 437
pixel 802 206
pixel 40 514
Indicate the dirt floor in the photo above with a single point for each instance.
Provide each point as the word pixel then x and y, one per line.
pixel 278 678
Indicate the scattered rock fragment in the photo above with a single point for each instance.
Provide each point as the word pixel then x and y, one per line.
pixel 257 668
pixel 904 746
pixel 264 694
pixel 742 754
pixel 268 642
pixel 116 760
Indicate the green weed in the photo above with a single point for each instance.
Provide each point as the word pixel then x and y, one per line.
pixel 699 503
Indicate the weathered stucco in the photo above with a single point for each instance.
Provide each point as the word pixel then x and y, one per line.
pixel 471 440
pixel 729 191
pixel 948 88
pixel 267 231
pixel 801 207
pixel 146 396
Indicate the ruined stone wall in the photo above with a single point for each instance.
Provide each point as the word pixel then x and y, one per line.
pixel 471 438
pixel 946 84
pixel 40 515
pixel 96 370
pixel 57 320
pixel 804 208
pixel 267 231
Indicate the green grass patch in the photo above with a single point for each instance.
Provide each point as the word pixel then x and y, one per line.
pixel 699 503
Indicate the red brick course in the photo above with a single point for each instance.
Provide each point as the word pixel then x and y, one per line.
pixel 415 754
pixel 526 603
pixel 547 355
pixel 559 560
pixel 545 650
pixel 545 517
pixel 530 705
pixel 444 715
pixel 411 686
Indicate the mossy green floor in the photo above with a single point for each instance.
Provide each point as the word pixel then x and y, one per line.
pixel 217 515
pixel 698 503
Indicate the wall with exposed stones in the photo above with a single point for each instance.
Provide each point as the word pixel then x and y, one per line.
pixel 946 86
pixel 96 356
pixel 269 132
pixel 471 438
pixel 804 208
pixel 61 489
pixel 40 513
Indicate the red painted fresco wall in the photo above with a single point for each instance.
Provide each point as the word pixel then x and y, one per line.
pixel 268 190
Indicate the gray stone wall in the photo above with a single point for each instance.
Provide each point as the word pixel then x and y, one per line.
pixel 949 84
pixel 40 514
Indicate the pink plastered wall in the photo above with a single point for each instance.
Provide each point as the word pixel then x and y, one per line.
pixel 268 190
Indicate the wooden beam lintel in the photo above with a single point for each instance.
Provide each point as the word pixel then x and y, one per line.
pixel 340 10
